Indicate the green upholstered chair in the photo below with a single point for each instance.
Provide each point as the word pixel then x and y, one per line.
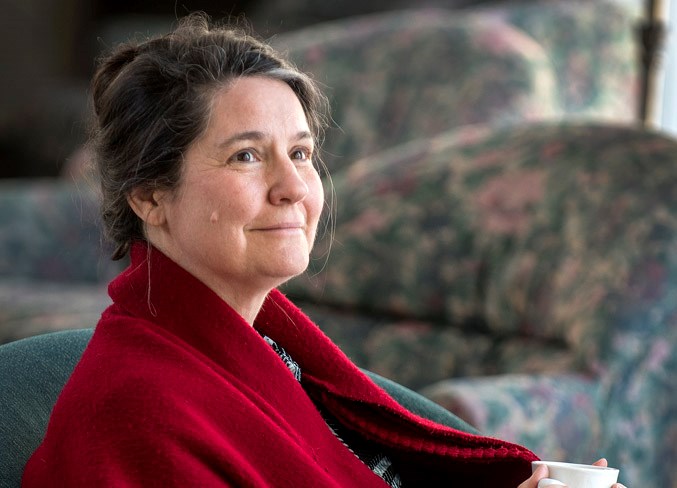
pixel 35 369
pixel 32 374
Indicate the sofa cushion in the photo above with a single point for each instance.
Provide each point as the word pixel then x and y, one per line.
pixel 593 50
pixel 417 353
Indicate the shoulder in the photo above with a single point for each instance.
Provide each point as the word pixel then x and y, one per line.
pixel 141 397
pixel 133 366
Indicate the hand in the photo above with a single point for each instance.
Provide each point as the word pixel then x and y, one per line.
pixel 542 472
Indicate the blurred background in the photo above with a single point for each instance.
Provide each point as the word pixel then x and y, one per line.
pixel 48 47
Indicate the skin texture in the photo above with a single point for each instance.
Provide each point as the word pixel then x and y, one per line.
pixel 542 472
pixel 244 216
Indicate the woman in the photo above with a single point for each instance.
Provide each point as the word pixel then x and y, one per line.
pixel 201 373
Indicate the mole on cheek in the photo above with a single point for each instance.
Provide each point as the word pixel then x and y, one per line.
pixel 214 217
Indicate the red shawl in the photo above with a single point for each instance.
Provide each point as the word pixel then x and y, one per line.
pixel 176 389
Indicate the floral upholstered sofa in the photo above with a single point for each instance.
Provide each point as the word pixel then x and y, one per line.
pixel 504 239
pixel 525 278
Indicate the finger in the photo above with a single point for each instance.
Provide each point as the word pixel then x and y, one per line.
pixel 540 472
pixel 601 462
pixel 550 483
pixel 618 485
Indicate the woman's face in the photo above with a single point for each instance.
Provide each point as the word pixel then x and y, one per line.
pixel 244 215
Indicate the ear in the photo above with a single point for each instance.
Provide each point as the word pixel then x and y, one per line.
pixel 148 205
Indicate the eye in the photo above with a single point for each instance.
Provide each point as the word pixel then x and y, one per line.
pixel 247 156
pixel 301 154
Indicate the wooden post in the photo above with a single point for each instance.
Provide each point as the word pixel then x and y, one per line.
pixel 651 37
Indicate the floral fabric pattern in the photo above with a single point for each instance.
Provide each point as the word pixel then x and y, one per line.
pixel 592 46
pixel 461 68
pixel 542 250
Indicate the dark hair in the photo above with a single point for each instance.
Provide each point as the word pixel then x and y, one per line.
pixel 152 99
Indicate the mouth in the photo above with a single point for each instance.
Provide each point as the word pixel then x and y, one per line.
pixel 284 227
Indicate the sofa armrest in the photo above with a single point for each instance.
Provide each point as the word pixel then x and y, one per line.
pixel 555 416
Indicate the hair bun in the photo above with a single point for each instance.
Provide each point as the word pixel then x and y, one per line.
pixel 110 68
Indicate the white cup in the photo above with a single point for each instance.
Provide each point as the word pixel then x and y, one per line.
pixel 576 475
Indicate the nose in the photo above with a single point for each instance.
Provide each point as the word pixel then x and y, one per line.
pixel 287 185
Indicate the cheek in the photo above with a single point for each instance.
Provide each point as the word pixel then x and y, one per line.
pixel 314 204
pixel 225 201
pixel 315 199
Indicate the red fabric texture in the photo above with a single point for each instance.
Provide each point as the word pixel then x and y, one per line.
pixel 176 389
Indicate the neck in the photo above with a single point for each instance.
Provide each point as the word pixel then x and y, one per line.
pixel 245 298
pixel 248 307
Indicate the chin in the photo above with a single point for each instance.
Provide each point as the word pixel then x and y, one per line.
pixel 293 273
pixel 285 273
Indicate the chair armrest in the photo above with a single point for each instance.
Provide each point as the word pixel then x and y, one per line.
pixel 555 416
pixel 420 405
pixel 33 373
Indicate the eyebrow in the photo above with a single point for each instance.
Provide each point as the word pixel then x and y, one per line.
pixel 257 136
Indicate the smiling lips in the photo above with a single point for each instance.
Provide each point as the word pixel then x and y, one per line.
pixel 284 227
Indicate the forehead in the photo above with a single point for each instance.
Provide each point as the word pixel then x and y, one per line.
pixel 256 100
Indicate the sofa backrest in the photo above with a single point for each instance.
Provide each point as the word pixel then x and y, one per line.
pixel 50 230
pixel 593 47
pixel 397 76
pixel 545 231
